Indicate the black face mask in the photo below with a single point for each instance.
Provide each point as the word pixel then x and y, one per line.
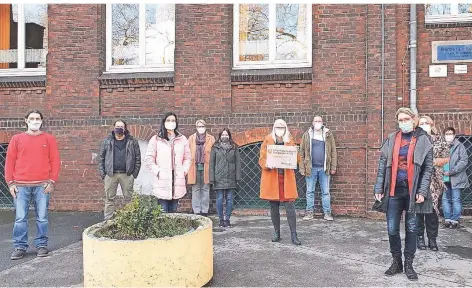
pixel 225 139
pixel 119 131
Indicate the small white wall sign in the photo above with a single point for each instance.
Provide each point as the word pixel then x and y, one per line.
pixel 460 69
pixel 437 70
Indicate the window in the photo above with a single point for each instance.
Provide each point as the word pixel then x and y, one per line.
pixel 448 13
pixel 23 39
pixel 140 37
pixel 272 36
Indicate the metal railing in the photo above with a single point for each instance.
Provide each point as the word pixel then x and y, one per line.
pixel 6 201
pixel 247 195
pixel 467 192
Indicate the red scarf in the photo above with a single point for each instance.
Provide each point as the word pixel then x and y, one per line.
pixel 410 165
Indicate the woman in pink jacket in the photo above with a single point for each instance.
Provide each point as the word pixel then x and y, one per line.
pixel 168 158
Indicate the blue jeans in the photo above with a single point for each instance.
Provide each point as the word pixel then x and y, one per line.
pixel 20 228
pixel 229 203
pixel 452 206
pixel 169 206
pixel 318 174
pixel 396 205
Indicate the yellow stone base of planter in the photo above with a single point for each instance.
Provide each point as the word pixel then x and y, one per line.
pixel 184 261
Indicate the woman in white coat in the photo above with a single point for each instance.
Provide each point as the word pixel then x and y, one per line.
pixel 168 158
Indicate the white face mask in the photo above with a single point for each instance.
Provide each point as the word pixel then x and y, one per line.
pixel 318 125
pixel 170 125
pixel 426 127
pixel 201 130
pixel 34 125
pixel 449 138
pixel 279 132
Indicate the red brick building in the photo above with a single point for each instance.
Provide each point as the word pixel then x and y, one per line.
pixel 240 67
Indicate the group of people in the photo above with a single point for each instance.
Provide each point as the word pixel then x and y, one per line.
pixel 418 168
pixel 175 162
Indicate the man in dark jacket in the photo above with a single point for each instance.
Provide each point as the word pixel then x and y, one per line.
pixel 120 162
pixel 403 181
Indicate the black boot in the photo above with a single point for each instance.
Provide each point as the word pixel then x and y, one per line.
pixel 396 267
pixel 276 237
pixel 432 244
pixel 295 240
pixel 409 271
pixel 204 214
pixel 420 242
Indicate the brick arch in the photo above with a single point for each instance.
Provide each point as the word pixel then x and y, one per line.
pixel 142 132
pixel 258 135
pixel 5 136
pixel 462 127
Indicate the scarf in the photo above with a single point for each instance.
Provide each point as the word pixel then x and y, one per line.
pixel 410 167
pixel 200 153
pixel 226 146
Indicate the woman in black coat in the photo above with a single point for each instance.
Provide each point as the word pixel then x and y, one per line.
pixel 225 172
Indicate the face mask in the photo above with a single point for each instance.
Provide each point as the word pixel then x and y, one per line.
pixel 201 130
pixel 224 139
pixel 318 125
pixel 279 132
pixel 119 130
pixel 449 138
pixel 426 128
pixel 34 125
pixel 170 125
pixel 406 127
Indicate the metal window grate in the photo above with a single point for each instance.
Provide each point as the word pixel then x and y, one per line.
pixel 6 201
pixel 247 195
pixel 467 193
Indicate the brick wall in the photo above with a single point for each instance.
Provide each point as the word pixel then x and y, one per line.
pixel 344 85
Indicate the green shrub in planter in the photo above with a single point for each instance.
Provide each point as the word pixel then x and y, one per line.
pixel 143 218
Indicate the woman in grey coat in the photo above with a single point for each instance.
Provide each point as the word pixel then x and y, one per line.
pixel 455 178
pixel 225 172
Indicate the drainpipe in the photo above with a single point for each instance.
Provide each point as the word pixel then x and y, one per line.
pixel 413 28
pixel 383 74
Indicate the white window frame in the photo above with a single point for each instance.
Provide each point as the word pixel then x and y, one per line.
pixel 141 67
pixel 454 17
pixel 21 70
pixel 272 63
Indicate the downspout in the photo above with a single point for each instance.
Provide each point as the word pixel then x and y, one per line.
pixel 383 74
pixel 413 28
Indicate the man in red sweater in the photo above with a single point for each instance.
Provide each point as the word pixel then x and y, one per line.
pixel 31 170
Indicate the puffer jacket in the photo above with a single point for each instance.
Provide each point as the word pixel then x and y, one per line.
pixel 133 156
pixel 423 161
pixel 225 167
pixel 457 166
pixel 161 156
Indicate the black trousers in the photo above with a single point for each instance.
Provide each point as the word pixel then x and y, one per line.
pixel 431 222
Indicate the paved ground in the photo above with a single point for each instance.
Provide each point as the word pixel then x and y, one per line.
pixel 346 252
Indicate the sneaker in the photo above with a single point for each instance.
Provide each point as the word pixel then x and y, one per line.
pixel 18 254
pixel 222 223
pixel 308 216
pixel 228 224
pixel 328 217
pixel 454 226
pixel 447 224
pixel 42 252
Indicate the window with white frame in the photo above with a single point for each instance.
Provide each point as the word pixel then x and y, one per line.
pixel 23 39
pixel 272 36
pixel 140 37
pixel 448 13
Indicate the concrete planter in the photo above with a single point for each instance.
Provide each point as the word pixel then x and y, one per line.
pixel 185 260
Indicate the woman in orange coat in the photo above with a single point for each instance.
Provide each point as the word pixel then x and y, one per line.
pixel 279 185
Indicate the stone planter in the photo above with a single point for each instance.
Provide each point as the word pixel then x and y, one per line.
pixel 184 260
